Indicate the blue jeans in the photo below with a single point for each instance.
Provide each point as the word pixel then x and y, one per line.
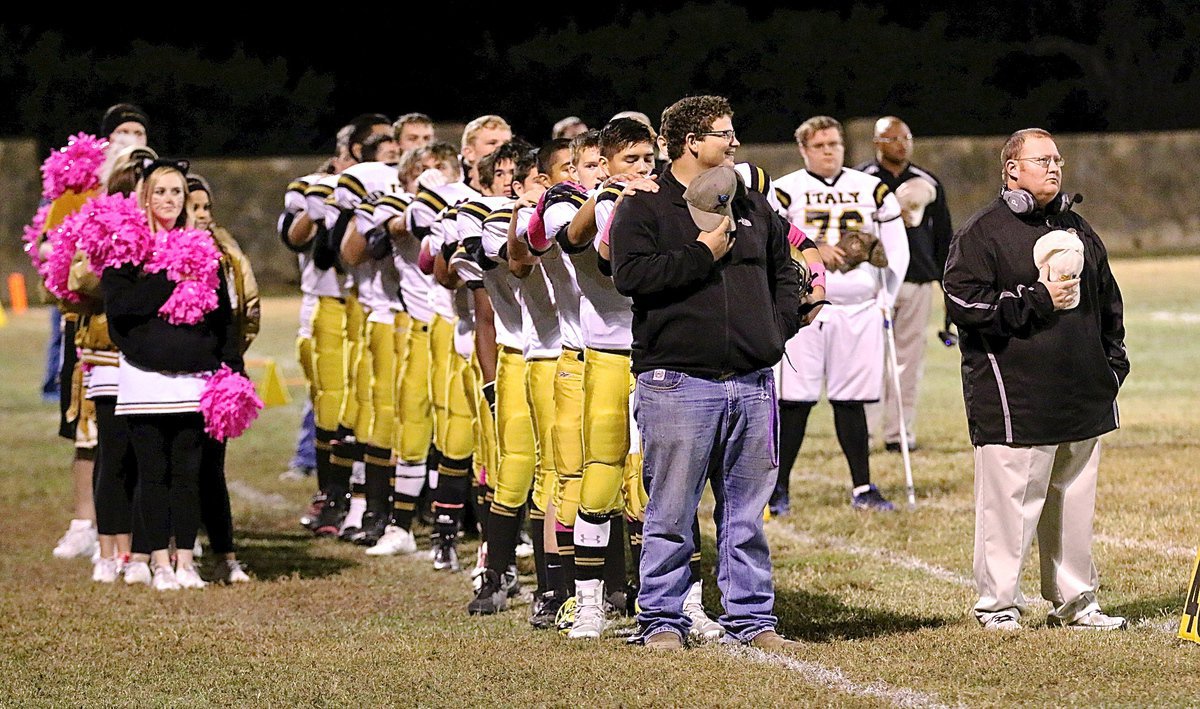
pixel 693 429
pixel 54 355
pixel 306 440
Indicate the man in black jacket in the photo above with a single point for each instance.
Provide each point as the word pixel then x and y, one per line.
pixel 715 296
pixel 1043 357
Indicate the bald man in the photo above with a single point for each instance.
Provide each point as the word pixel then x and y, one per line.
pixel 927 221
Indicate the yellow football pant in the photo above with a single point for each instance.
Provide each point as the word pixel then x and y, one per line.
pixel 460 424
pixel 356 319
pixel 539 388
pixel 441 349
pixel 514 431
pixel 568 436
pixel 304 355
pixel 607 383
pixel 413 405
pixel 329 360
pixel 381 347
pixel 486 448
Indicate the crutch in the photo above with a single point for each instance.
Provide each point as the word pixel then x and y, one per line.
pixel 894 365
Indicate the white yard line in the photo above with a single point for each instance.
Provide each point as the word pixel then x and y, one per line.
pixel 269 500
pixel 832 678
pixel 894 558
pixel 1146 545
pixel 1175 317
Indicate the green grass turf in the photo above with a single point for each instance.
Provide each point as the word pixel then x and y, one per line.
pixel 880 602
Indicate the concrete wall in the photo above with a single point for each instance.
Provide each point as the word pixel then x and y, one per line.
pixel 1138 189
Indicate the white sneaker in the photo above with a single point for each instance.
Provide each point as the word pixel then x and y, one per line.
pixel 395 540
pixel 589 611
pixel 137 572
pixel 231 571
pixel 187 577
pixel 480 567
pixel 703 627
pixel 79 540
pixel 164 579
pixel 1004 622
pixel 1096 620
pixel 524 548
pixel 106 571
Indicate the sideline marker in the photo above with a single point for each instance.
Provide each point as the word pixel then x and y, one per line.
pixel 3 316
pixel 1189 624
pixel 272 390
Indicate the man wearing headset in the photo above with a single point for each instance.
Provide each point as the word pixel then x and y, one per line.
pixel 1039 314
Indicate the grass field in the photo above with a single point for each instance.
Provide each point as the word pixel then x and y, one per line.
pixel 880 602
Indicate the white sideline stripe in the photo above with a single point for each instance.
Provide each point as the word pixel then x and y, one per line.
pixel 900 559
pixel 270 500
pixel 832 678
pixel 1172 316
pixel 1146 545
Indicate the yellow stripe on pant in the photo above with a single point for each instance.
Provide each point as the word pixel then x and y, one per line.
pixel 441 349
pixel 514 431
pixel 568 436
pixel 305 355
pixel 606 389
pixel 413 405
pixel 539 389
pixel 329 360
pixel 356 319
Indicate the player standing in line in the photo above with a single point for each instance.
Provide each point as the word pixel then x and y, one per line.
pixel 550 302
pixel 844 351
pixel 330 323
pixel 413 131
pixel 360 187
pixel 517 447
pixel 415 426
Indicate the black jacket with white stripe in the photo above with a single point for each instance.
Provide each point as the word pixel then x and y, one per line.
pixel 1033 375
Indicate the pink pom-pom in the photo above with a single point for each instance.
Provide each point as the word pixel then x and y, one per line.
pixel 112 231
pixel 186 255
pixel 190 258
pixel 229 404
pixel 56 269
pixel 74 167
pixel 32 234
pixel 189 303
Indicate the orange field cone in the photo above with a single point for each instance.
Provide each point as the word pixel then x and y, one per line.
pixel 17 294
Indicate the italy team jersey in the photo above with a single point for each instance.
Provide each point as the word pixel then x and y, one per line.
pixel 322 282
pixel 501 285
pixel 850 201
pixel 424 224
pixel 539 316
pixel 365 184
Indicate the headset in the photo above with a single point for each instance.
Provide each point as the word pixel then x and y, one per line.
pixel 1022 202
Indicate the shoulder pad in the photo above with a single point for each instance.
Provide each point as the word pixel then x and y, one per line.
pixel 610 193
pixel 504 214
pixel 881 191
pixel 475 209
pixel 785 199
pixel 353 184
pixel 431 199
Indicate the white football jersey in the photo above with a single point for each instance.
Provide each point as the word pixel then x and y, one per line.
pixel 539 315
pixel 414 285
pixel 605 315
pixel 501 285
pixel 850 201
pixel 423 221
pixel 365 184
pixel 293 204
pixel 327 282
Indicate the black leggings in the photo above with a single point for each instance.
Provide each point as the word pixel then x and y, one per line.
pixel 116 470
pixel 169 449
pixel 850 424
pixel 214 498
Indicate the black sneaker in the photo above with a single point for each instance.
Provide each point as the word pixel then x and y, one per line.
pixel 871 500
pixel 616 602
pixel 308 520
pixel 491 598
pixel 373 525
pixel 329 521
pixel 349 533
pixel 445 553
pixel 543 613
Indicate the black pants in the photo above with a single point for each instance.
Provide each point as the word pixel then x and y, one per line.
pixel 169 449
pixel 116 470
pixel 214 498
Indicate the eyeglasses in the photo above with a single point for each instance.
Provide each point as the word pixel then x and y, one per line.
pixel 897 139
pixel 728 135
pixel 1045 160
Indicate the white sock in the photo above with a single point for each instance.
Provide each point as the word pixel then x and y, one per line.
pixel 358 505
